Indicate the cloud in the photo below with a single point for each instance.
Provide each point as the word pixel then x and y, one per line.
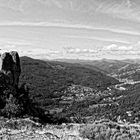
pixel 8 41
pixel 41 53
pixel 25 48
pixel 110 47
pixel 37 51
pixel 124 9
pixel 125 48
pixel 63 24
pixel 7 47
pixel 113 50
pixel 115 47
pixel 71 50
pixel 100 38
pixel 122 51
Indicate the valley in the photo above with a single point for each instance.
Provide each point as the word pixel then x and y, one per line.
pixel 78 91
pixel 76 101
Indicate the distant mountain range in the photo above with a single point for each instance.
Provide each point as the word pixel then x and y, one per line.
pixel 105 65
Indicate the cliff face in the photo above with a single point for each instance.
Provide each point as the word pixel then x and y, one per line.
pixel 10 67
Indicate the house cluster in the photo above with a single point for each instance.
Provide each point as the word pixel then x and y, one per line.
pixel 78 92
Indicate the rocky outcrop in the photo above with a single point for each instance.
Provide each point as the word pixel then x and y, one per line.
pixel 10 67
pixel 14 99
pixel 10 103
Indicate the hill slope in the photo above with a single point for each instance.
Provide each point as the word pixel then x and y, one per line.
pixel 103 65
pixel 45 78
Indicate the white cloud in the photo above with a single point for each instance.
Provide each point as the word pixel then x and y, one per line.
pixel 7 41
pixel 125 48
pixel 64 24
pixel 39 51
pixel 100 38
pixel 110 47
pixel 115 47
pixel 117 51
pixel 123 9
pixel 8 47
pixel 80 51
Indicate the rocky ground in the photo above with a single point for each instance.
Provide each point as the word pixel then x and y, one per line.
pixel 26 129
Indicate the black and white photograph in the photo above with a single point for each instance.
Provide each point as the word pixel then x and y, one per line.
pixel 70 69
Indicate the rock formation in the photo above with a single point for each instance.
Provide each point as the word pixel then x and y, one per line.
pixel 10 70
pixel 10 67
pixel 14 99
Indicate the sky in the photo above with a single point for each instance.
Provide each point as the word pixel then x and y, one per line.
pixel 72 29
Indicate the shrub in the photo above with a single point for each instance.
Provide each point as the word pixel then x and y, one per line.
pixel 12 107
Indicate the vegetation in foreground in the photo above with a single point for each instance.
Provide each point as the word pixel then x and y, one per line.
pixel 99 130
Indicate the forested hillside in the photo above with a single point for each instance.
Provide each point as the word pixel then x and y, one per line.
pixel 46 77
